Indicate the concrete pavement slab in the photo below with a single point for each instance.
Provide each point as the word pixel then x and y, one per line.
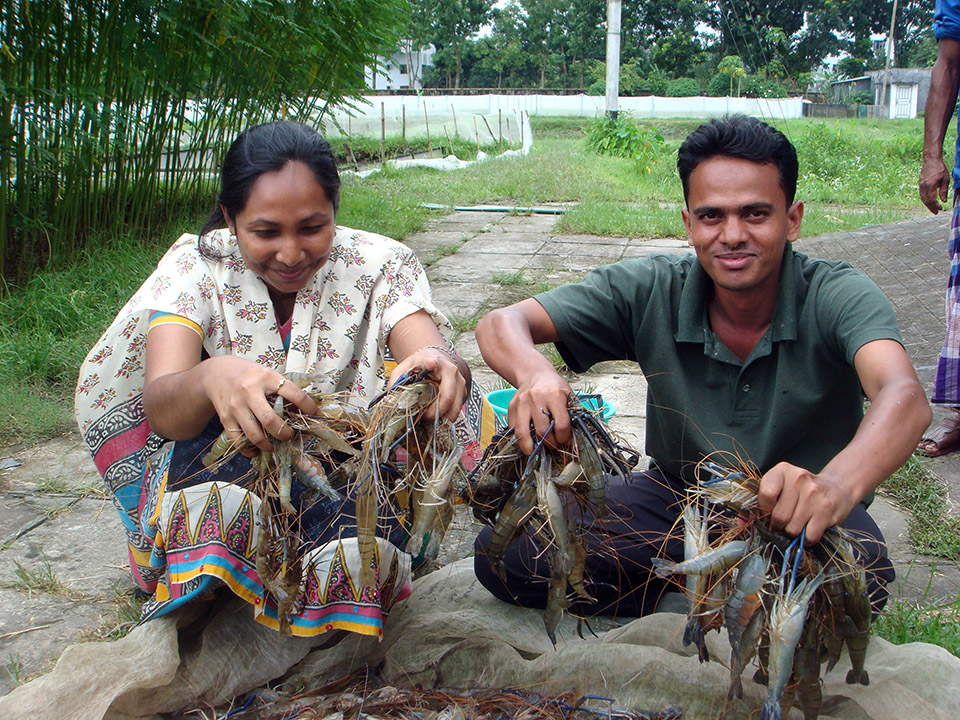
pixel 475 267
pixel 513 243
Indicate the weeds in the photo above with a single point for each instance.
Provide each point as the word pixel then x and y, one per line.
pixel 515 278
pixel 56 486
pixel 39 580
pixel 939 624
pixel 464 323
pixel 934 528
pixel 441 251
pixel 14 669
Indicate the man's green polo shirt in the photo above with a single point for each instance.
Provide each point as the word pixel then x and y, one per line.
pixel 796 398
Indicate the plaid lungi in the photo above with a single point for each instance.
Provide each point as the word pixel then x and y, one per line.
pixel 946 386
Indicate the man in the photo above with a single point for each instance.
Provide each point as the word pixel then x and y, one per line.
pixel 934 184
pixel 748 348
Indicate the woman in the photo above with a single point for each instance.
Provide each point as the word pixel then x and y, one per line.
pixel 271 285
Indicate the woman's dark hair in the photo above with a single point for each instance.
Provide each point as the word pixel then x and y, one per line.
pixel 267 148
pixel 743 137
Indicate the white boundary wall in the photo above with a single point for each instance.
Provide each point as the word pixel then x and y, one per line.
pixel 576 105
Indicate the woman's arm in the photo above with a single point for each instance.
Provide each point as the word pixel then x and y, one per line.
pixel 182 392
pixel 415 342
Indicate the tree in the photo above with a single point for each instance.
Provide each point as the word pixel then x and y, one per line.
pixel 732 65
pixel 505 44
pixel 543 29
pixel 453 23
pixel 851 67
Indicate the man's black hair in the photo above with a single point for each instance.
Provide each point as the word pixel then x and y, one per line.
pixel 744 137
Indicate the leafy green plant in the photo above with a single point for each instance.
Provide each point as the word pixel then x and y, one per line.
pixel 622 137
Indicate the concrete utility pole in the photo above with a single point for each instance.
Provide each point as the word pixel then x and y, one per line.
pixel 886 66
pixel 613 57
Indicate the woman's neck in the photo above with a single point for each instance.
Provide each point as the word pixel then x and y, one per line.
pixel 282 305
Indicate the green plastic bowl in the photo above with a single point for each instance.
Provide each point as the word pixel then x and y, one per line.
pixel 500 399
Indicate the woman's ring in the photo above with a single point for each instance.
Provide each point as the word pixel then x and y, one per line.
pixel 280 385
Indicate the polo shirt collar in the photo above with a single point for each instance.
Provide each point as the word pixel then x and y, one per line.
pixel 692 322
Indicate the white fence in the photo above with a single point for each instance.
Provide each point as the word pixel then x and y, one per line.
pixel 447 106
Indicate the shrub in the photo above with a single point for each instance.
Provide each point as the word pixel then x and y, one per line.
pixel 719 85
pixel 683 87
pixel 624 138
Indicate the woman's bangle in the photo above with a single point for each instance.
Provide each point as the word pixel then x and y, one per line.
pixel 452 353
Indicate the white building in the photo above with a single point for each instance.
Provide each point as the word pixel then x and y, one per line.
pixel 403 70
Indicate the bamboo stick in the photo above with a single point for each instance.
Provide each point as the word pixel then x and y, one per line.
pixel 426 120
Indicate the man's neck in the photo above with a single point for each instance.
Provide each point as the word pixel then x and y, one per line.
pixel 740 318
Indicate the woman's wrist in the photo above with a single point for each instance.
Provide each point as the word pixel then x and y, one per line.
pixel 458 361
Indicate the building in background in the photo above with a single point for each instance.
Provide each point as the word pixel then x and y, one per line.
pixel 906 91
pixel 403 70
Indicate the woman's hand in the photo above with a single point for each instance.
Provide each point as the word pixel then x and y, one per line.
pixel 181 393
pixel 243 394
pixel 443 368
pixel 417 344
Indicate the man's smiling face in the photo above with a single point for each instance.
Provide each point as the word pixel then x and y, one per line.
pixel 738 222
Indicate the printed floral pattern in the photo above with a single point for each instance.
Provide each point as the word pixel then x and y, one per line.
pixel 338 330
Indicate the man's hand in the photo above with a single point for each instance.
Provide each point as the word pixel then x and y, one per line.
pixel 507 338
pixel 941 99
pixel 934 183
pixel 540 401
pixel 798 499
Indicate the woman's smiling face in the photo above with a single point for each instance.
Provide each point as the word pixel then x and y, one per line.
pixel 285 230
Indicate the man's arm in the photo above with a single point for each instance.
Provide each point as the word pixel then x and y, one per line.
pixel 941 99
pixel 507 338
pixel 891 427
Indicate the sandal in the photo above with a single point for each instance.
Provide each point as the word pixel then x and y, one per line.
pixel 943 439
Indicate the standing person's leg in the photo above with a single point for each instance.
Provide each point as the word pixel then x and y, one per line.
pixel 642 523
pixel 944 437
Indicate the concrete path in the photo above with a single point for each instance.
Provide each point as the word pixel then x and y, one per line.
pixel 63 572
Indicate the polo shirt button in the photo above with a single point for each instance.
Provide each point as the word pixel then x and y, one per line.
pixel 746 388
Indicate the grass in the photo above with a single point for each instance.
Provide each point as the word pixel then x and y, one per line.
pixel 53 485
pixel 934 530
pixel 934 526
pixel 938 624
pixel 515 278
pixel 855 173
pixel 126 608
pixel 441 251
pixel 39 580
pixel 464 323
pixel 14 669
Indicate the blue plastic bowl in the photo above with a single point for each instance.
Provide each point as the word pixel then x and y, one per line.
pixel 500 399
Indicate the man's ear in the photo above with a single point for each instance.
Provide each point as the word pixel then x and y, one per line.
pixel 685 214
pixel 794 217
